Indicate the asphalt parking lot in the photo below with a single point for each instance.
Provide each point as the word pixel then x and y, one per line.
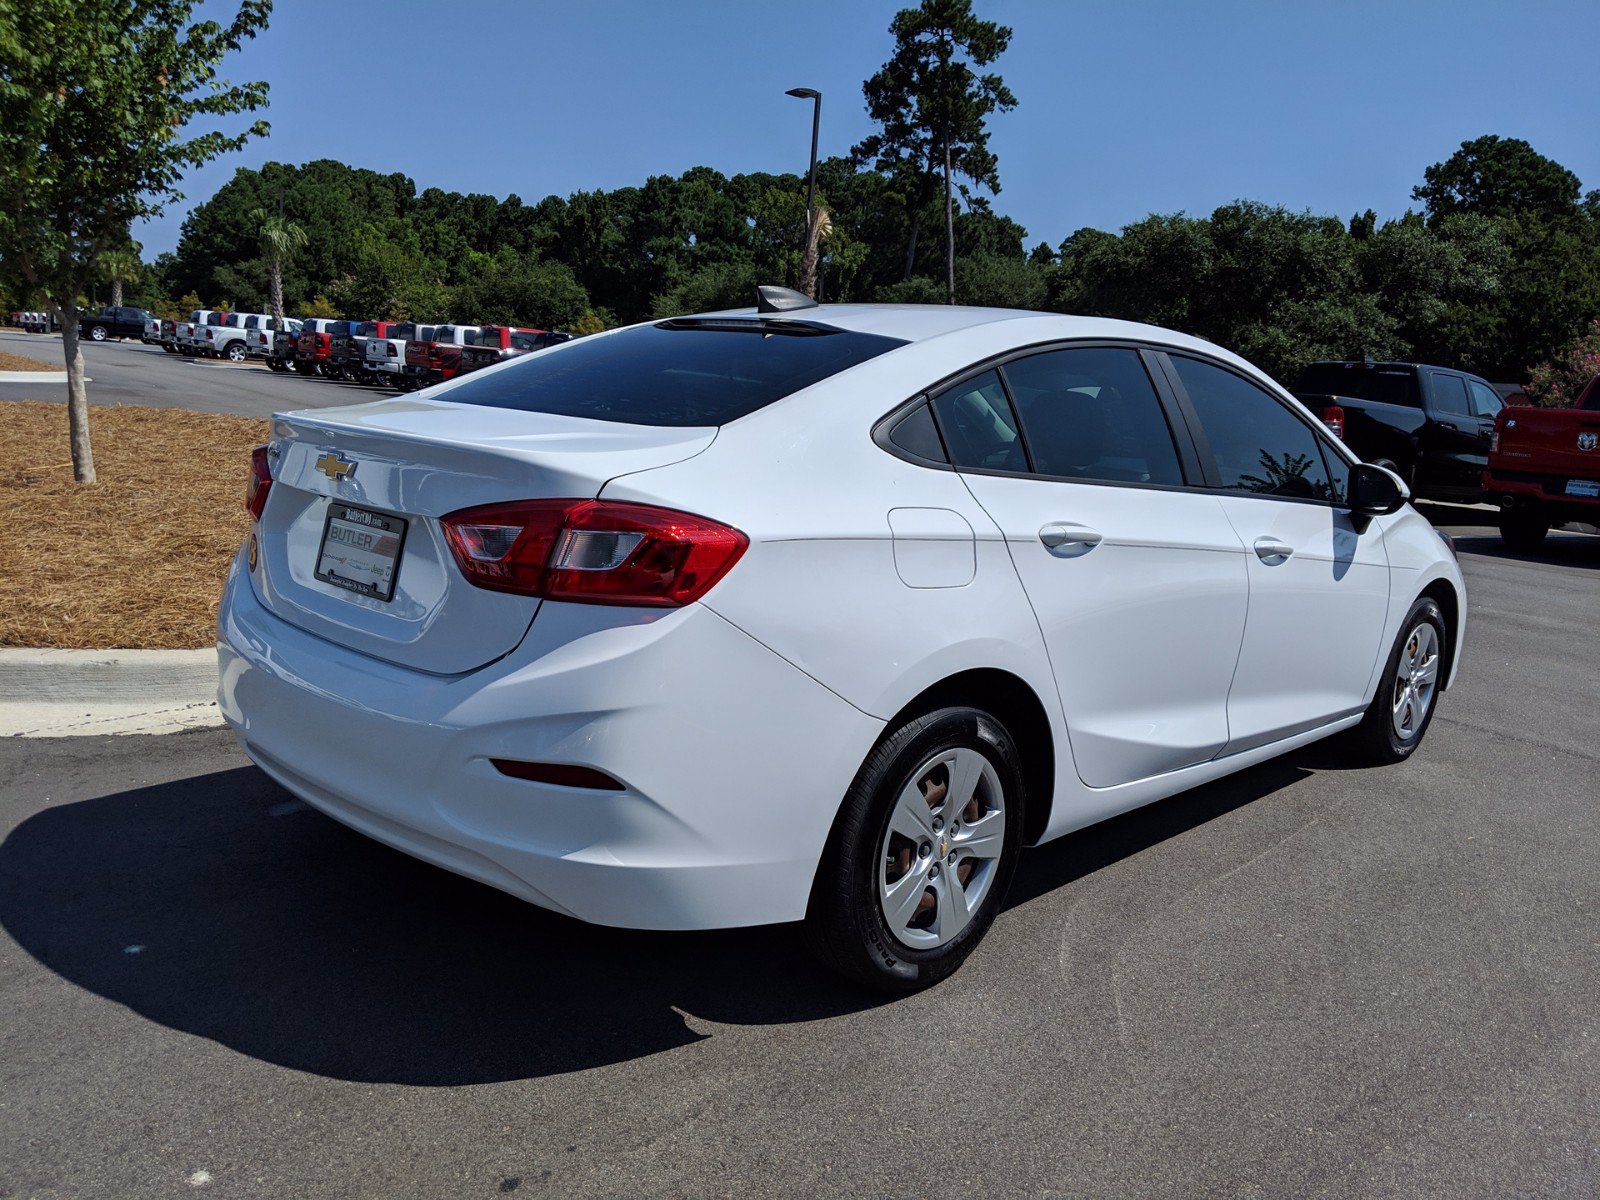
pixel 1306 980
pixel 130 372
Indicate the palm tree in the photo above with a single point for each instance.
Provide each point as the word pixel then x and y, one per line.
pixel 280 237
pixel 120 264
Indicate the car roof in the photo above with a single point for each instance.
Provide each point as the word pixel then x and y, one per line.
pixel 923 322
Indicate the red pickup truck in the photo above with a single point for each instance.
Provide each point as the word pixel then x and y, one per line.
pixel 499 342
pixel 1544 468
pixel 433 362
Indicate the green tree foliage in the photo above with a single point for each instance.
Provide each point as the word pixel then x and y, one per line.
pixel 94 102
pixel 1551 236
pixel 932 106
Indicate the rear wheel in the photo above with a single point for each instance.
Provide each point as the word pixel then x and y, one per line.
pixel 922 852
pixel 236 352
pixel 1521 530
pixel 1402 710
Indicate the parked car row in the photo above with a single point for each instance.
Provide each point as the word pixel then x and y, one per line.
pixel 34 322
pixel 406 355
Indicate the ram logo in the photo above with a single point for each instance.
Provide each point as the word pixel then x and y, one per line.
pixel 1587 441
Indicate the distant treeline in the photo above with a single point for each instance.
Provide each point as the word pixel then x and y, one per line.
pixel 1497 271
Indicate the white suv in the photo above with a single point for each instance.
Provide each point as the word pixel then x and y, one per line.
pixel 818 613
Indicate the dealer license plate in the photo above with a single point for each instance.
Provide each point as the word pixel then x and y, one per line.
pixel 1583 487
pixel 361 550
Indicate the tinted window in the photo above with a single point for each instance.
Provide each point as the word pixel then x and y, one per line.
pixel 675 373
pixel 978 426
pixel 1484 401
pixel 1384 385
pixel 916 434
pixel 1258 444
pixel 1093 414
pixel 525 341
pixel 1450 394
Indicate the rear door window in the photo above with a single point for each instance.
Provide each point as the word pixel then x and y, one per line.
pixel 978 426
pixel 1258 445
pixel 1450 394
pixel 1093 414
pixel 675 373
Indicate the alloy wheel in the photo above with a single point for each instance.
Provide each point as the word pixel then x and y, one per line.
pixel 941 849
pixel 1416 679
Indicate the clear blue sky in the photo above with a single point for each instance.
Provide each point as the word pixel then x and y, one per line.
pixel 1126 108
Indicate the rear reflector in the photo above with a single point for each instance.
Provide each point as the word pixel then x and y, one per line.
pixel 560 774
pixel 255 492
pixel 593 551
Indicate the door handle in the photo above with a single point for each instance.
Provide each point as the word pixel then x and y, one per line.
pixel 1271 551
pixel 1067 540
pixel 1449 425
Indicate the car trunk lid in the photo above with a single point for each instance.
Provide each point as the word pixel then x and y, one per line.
pixel 405 463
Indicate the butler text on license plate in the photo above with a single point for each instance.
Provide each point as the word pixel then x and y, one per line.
pixel 361 550
pixel 1583 487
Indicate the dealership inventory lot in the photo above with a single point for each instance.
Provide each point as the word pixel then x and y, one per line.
pixel 133 373
pixel 1304 979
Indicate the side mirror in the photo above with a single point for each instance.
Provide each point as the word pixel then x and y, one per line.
pixel 1376 491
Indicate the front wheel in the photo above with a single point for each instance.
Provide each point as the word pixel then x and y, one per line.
pixel 922 852
pixel 1401 712
pixel 97 334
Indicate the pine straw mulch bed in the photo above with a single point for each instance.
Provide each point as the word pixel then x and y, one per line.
pixel 137 559
pixel 21 362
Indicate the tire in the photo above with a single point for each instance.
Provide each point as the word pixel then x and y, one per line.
pixel 97 334
pixel 236 352
pixel 1383 737
pixel 1522 531
pixel 851 922
pixel 170 349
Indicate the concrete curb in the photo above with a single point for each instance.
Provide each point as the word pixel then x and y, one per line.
pixel 35 377
pixel 86 693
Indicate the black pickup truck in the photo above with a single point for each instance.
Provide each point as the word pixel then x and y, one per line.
pixel 113 323
pixel 1430 425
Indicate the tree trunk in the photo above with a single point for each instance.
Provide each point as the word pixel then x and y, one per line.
pixel 808 260
pixel 116 293
pixel 911 248
pixel 949 234
pixel 277 291
pixel 77 395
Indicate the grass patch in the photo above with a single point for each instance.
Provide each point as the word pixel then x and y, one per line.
pixel 21 362
pixel 137 559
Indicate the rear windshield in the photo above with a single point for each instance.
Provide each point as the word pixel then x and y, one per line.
pixel 675 373
pixel 1382 385
pixel 365 329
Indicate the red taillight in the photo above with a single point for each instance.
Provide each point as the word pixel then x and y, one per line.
pixel 593 551
pixel 1333 418
pixel 255 492
pixel 393 352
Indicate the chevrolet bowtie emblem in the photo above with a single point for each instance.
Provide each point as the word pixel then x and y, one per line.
pixel 336 466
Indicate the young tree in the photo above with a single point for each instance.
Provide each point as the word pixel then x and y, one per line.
pixel 94 100
pixel 280 237
pixel 932 107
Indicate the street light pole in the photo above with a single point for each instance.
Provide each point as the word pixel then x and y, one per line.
pixel 816 123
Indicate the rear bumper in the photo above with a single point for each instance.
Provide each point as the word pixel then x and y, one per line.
pixel 1546 493
pixel 733 761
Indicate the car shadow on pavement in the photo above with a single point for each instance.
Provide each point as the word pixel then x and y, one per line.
pixel 220 906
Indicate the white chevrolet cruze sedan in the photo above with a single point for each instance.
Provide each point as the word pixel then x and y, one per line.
pixel 817 613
